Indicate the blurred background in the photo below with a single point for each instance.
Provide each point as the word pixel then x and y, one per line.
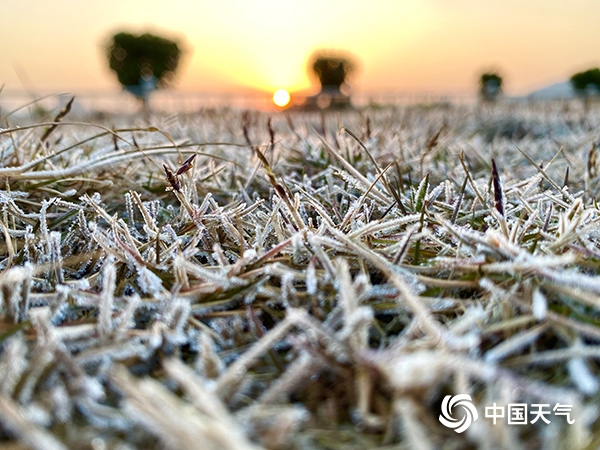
pixel 239 52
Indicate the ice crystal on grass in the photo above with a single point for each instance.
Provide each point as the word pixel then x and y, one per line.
pixel 284 288
pixel 15 285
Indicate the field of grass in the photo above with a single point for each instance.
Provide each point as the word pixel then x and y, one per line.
pixel 234 280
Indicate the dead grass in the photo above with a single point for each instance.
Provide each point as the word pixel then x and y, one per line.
pixel 232 281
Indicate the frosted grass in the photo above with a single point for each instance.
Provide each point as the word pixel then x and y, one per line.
pixel 305 281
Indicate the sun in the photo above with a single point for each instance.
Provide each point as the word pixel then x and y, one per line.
pixel 281 98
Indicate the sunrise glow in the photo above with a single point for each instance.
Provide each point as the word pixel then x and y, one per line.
pixel 281 98
pixel 259 46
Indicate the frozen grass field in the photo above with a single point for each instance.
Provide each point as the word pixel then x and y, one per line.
pixel 305 281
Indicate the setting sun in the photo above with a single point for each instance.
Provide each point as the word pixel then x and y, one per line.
pixel 281 98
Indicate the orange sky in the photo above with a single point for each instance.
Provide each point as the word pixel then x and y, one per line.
pixel 424 46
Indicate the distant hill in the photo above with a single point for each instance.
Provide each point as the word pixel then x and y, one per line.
pixel 557 91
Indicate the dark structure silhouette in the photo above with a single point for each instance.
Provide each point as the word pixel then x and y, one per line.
pixel 332 70
pixel 490 86
pixel 143 62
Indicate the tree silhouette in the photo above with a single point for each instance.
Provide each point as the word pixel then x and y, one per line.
pixel 490 86
pixel 143 62
pixel 586 83
pixel 333 70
